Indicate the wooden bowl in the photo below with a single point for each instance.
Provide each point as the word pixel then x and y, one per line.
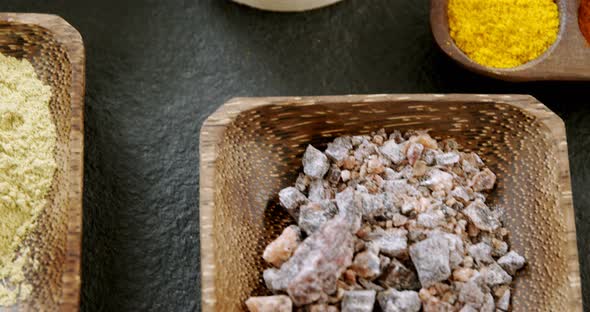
pixel 56 51
pixel 251 148
pixel 567 59
pixel 287 5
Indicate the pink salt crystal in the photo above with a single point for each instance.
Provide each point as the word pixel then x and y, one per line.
pixel 484 180
pixel 393 300
pixel 463 274
pixel 392 242
pixel 313 270
pixel 447 159
pixel 374 165
pixel 481 253
pixel 302 182
pixel 488 304
pixel 281 249
pixel 481 216
pixel 315 163
pixel 494 275
pixel 431 259
pixel 471 294
pixel 414 152
pixel 345 175
pixel 460 193
pixel 313 215
pixel 425 140
pixel 393 151
pixel 512 262
pixel 291 198
pixel 365 150
pixel 279 303
pixel 367 264
pixel 349 207
pixel 338 150
pixel 439 180
pixel 358 301
pixel 503 302
pixel 317 192
pixel 431 219
pixel 322 308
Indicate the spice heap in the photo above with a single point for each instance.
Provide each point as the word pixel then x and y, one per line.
pixel 584 19
pixel 394 221
pixel 27 165
pixel 503 33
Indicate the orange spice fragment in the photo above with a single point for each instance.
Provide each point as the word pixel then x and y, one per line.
pixel 584 19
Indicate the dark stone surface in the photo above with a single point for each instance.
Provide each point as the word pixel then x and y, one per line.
pixel 156 69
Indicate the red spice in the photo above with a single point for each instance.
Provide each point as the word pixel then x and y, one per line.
pixel 584 19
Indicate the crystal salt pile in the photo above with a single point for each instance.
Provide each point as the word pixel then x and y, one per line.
pixel 393 222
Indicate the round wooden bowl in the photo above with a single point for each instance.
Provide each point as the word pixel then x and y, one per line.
pixel 287 5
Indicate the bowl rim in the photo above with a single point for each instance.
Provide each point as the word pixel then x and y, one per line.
pixel 71 40
pixel 214 127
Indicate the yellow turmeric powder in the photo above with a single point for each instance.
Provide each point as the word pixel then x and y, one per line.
pixel 503 33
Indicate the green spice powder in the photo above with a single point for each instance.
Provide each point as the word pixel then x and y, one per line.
pixel 27 165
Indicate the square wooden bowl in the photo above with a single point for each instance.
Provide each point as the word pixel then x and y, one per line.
pixel 251 148
pixel 56 51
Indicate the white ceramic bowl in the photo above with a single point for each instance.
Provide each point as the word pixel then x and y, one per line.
pixel 287 5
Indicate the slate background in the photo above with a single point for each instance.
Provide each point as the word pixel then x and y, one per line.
pixel 157 68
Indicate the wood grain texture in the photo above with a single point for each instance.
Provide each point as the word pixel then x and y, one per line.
pixel 567 59
pixel 56 51
pixel 251 148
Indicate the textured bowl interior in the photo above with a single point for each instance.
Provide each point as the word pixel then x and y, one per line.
pixel 55 243
pixel 252 148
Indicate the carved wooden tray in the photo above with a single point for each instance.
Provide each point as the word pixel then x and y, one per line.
pixel 251 148
pixel 56 51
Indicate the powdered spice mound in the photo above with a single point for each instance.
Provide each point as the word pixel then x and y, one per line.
pixel 396 222
pixel 27 165
pixel 503 33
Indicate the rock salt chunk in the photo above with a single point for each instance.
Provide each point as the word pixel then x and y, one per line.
pixel 350 207
pixel 503 302
pixel 391 242
pixel 313 270
pixel 367 265
pixel 431 219
pixel 315 163
pixel 494 275
pixel 313 215
pixel 338 150
pixel 484 180
pixel 393 151
pixel 279 303
pixel 439 180
pixel 511 262
pixel 317 191
pixel 345 175
pixel 358 301
pixel 481 216
pixel 372 205
pixel 488 304
pixel 414 152
pixel 398 276
pixel 481 253
pixel 365 150
pixel 471 294
pixel 468 308
pixel 291 198
pixel 393 300
pixel 431 259
pixel 499 248
pixel 333 175
pixel 447 159
pixel 322 308
pixel 281 249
